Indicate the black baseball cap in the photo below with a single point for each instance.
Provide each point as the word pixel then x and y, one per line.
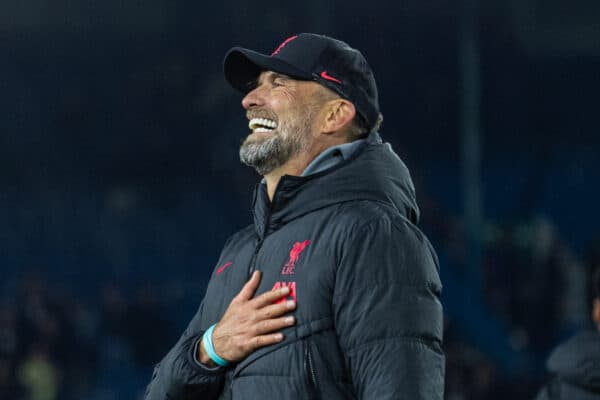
pixel 307 56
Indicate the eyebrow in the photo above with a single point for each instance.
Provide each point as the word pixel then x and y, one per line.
pixel 277 75
pixel 253 84
pixel 272 76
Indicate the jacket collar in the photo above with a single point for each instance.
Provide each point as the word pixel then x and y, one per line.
pixel 373 172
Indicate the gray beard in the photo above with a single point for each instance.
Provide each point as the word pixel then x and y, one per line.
pixel 269 154
pixel 273 152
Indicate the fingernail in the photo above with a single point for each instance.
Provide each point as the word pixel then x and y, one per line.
pixel 289 320
pixel 290 303
pixel 279 336
pixel 285 289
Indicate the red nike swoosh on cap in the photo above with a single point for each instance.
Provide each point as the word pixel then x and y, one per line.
pixel 325 75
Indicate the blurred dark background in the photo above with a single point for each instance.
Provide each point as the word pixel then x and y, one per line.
pixel 120 180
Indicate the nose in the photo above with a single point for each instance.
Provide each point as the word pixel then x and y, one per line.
pixel 253 98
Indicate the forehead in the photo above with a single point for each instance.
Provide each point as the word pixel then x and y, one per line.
pixel 266 75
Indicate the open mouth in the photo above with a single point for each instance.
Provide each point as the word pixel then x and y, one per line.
pixel 262 125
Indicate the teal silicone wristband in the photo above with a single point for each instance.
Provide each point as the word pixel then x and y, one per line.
pixel 210 350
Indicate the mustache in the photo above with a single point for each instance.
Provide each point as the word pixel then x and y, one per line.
pixel 261 113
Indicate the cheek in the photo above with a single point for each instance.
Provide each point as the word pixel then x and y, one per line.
pixel 289 97
pixel 283 99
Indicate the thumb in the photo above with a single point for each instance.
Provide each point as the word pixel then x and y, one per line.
pixel 250 287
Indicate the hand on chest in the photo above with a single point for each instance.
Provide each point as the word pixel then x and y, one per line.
pixel 293 264
pixel 303 264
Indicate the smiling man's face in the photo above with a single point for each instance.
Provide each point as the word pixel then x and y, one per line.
pixel 281 112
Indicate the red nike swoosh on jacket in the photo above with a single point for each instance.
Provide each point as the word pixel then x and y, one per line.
pixel 222 267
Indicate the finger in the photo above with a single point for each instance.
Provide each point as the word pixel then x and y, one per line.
pixel 276 310
pixel 273 325
pixel 265 340
pixel 249 288
pixel 270 297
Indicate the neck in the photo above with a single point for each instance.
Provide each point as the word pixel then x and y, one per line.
pixel 297 164
pixel 293 167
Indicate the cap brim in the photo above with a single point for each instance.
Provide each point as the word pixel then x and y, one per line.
pixel 243 66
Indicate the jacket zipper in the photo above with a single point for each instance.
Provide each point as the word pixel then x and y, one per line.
pixel 254 256
pixel 308 364
pixel 261 239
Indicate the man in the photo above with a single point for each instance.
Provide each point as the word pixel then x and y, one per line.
pixel 333 292
pixel 576 363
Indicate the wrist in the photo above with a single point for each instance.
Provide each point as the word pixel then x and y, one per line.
pixel 203 356
pixel 209 349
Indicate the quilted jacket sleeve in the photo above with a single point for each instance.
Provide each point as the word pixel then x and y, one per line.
pixel 179 377
pixel 387 312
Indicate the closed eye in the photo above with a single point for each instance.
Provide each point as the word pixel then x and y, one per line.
pixel 279 82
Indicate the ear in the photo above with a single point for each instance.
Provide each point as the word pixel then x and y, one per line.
pixel 596 312
pixel 338 114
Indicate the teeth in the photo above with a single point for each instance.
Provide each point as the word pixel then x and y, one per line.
pixel 259 129
pixel 262 123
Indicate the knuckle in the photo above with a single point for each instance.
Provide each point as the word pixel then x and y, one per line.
pixel 260 300
pixel 269 295
pixel 281 309
pixel 268 326
pixel 256 329
pixel 247 347
pixel 269 313
pixel 240 343
pixel 281 322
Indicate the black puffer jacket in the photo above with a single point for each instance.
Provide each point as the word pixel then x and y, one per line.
pixel 576 369
pixel 368 317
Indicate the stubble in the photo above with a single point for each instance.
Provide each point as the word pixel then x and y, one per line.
pixel 289 139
